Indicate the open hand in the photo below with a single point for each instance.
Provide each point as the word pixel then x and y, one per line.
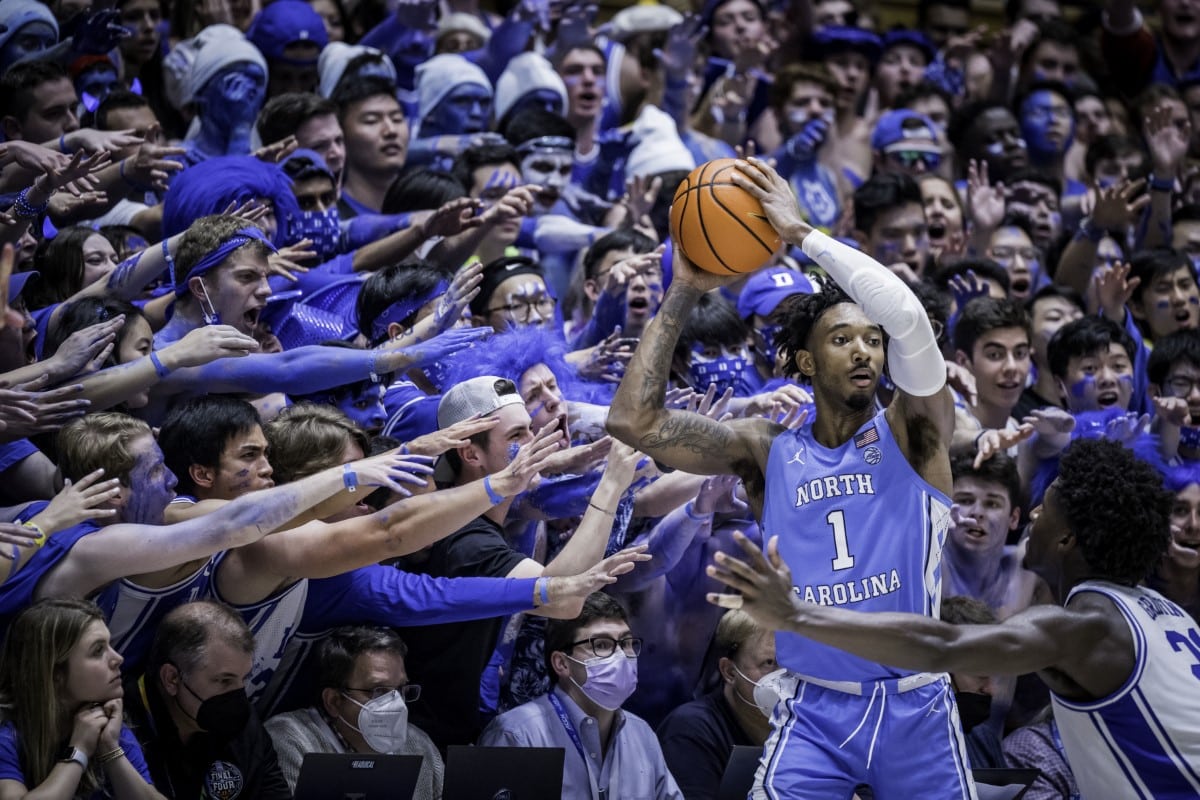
pixel 765 589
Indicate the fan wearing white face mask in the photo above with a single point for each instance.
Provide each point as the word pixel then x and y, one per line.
pixel 608 753
pixel 698 736
pixel 362 707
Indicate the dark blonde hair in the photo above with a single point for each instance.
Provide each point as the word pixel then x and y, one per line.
pixel 33 675
pixel 100 440
pixel 307 438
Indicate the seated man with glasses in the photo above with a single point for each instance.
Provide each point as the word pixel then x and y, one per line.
pixel 362 707
pixel 609 753
pixel 513 293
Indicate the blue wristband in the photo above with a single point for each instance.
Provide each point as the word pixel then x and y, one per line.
pixel 349 479
pixel 491 493
pixel 1158 184
pixel 158 365
pixel 62 144
pixel 688 509
pixel 543 587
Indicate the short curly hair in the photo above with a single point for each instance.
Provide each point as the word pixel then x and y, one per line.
pixel 1116 506
pixel 799 316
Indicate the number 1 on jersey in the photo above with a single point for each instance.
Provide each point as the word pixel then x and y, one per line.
pixel 837 520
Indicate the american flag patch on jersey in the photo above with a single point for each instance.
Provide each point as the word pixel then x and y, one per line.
pixel 869 436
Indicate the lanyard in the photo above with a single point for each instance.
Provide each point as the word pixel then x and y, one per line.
pixel 574 736
pixel 1058 745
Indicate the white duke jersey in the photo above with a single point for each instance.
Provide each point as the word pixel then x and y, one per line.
pixel 860 529
pixel 1144 740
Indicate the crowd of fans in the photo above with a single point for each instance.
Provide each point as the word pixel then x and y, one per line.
pixel 313 311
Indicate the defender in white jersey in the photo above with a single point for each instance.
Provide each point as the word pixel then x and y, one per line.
pixel 1122 661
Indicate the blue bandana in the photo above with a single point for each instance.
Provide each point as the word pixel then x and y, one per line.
pixel 243 237
pixel 402 309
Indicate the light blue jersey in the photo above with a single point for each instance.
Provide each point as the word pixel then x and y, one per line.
pixel 860 529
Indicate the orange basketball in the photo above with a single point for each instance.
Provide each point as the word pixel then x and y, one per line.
pixel 720 226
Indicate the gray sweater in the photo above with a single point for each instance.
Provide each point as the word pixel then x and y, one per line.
pixel 306 731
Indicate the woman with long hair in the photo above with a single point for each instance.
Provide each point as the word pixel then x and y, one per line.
pixel 62 735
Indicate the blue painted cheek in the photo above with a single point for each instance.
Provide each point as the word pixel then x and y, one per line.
pixel 1163 304
pixel 1081 387
pixel 512 450
pixel 888 253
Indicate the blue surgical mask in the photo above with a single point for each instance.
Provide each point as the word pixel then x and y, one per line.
pixel 324 228
pixel 736 372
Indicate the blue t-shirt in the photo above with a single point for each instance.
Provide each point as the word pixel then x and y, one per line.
pixel 10 759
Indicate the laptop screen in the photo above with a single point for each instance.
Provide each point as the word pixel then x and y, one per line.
pixel 355 776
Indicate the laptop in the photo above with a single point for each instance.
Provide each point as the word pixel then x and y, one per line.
pixel 739 773
pixel 1003 784
pixel 503 773
pixel 354 776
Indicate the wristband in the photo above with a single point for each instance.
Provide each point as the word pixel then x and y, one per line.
pixel 602 510
pixel 374 373
pixel 167 257
pixel 1158 184
pixel 159 367
pixel 403 449
pixel 543 589
pixel 689 508
pixel 349 479
pixel 33 526
pixel 62 144
pixel 491 493
pixel 23 209
pixel 1090 232
pixel 111 755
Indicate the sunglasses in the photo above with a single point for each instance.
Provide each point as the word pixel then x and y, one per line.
pixel 910 158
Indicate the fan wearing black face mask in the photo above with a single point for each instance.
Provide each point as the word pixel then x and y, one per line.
pixel 199 733
pixel 973 693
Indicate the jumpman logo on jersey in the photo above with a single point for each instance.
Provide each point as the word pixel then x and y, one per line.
pixel 798 458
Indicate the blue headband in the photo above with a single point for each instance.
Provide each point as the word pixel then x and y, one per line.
pixel 403 309
pixel 243 237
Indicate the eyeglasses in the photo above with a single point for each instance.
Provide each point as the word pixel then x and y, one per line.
pixel 604 646
pixel 411 692
pixel 910 158
pixel 1003 253
pixel 522 310
pixel 1182 386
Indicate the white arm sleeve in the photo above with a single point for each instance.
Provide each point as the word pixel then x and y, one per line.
pixel 916 363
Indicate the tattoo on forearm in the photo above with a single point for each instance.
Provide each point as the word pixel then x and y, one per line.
pixel 652 361
pixel 695 433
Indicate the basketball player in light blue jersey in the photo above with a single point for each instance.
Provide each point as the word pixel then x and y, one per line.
pixel 858 500
pixel 1122 661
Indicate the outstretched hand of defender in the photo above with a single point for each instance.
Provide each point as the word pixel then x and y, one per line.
pixel 778 200
pixel 763 583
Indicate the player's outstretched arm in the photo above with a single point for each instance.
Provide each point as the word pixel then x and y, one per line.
pixel 681 439
pixel 1041 637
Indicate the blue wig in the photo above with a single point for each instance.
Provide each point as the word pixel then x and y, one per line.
pixel 511 353
pixel 209 187
pixel 1178 478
